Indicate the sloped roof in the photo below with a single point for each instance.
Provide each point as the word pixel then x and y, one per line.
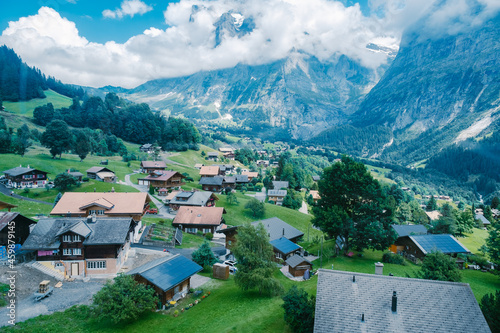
pixel 483 219
pixel 316 178
pixel 217 180
pixel 124 203
pixel 422 305
pixel 212 154
pixel 153 164
pixel 47 232
pixel 250 174
pixel 407 230
pixel 296 260
pixel 167 272
pixel 199 215
pixel 163 175
pixel 6 217
pixel 196 198
pixel 315 195
pixel 284 245
pixel 101 202
pixel 280 184
pixel 17 171
pixel 4 204
pixel 241 178
pixel 443 243
pixel 209 170
pixel 433 215
pixel 277 228
pixel 230 179
pixel 76 173
pixel 97 169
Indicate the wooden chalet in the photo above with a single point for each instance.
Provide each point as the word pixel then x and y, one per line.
pixel 298 265
pixel 177 199
pixel 210 171
pixel 194 219
pixel 251 175
pixel 212 184
pixel 16 223
pixel 25 177
pixel 163 179
pixel 276 196
pixel 80 247
pixel 169 276
pixel 315 195
pixel 212 156
pixel 284 248
pixel 102 174
pixel 152 166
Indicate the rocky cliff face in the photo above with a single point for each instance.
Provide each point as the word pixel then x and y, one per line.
pixel 438 90
pixel 299 94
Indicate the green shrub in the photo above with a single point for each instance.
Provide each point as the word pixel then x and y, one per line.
pixel 26 190
pixel 209 236
pixel 478 260
pixel 393 258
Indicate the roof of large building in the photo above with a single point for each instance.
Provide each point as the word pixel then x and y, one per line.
pixel 167 272
pixel 277 228
pixel 217 180
pixel 17 171
pixel 483 219
pixel 284 245
pixel 199 215
pixel 407 230
pixel 443 243
pixel 189 198
pixel 421 305
pixel 163 175
pixel 153 164
pixel 47 232
pixel 296 260
pixel 113 202
pixel 209 170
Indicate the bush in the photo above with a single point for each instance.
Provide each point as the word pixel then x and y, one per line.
pixel 85 179
pixel 478 260
pixel 26 190
pixel 209 236
pixel 393 258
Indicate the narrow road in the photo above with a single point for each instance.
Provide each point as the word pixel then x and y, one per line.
pixel 303 209
pixel 8 192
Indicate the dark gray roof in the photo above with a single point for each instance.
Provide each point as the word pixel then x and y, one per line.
pixel 284 245
pixel 443 243
pixel 230 179
pixel 280 184
pixel 422 305
pixel 316 178
pixel 167 272
pixel 217 180
pixel 76 173
pixel 241 178
pixel 212 153
pixel 277 193
pixel 97 169
pixel 296 260
pixel 277 228
pixel 17 171
pixel 483 219
pixel 47 232
pixel 6 217
pixel 197 198
pixel 406 230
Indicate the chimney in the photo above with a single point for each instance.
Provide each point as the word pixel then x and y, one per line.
pixel 283 232
pixel 379 268
pixel 394 302
pixel 362 317
pixel 354 278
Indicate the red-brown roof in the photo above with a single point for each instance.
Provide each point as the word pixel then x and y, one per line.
pixel 153 164
pixel 165 175
pixel 199 215
pixel 209 170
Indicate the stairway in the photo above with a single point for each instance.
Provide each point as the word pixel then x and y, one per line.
pixel 52 272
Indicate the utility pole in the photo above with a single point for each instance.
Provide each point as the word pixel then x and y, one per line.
pixel 321 257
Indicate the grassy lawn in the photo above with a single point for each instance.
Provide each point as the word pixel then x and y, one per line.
pixel 26 108
pixel 27 208
pixel 188 240
pixel 136 176
pixel 474 240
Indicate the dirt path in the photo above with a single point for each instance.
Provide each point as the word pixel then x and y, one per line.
pixel 9 192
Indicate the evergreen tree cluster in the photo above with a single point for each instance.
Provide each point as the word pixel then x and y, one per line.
pixel 19 82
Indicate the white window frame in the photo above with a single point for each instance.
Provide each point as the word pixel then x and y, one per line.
pixel 66 252
pixel 67 238
pixel 100 212
pixel 77 238
pixel 92 211
pixel 192 230
pixel 101 264
pixel 77 252
pixel 206 230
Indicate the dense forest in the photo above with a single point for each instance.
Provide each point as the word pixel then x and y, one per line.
pixel 129 121
pixel 19 82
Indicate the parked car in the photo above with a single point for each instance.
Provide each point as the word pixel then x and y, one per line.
pixel 232 266
pixel 152 211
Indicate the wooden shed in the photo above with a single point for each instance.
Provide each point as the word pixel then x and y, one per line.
pixel 297 265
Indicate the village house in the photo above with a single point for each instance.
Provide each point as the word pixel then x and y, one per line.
pixel 433 215
pixel 25 177
pixel 225 169
pixel 483 220
pixel 212 156
pixel 227 153
pixel 213 184
pixel 163 179
pixel 276 196
pixel 194 219
pixel 251 174
pixel 359 302
pixel 76 174
pixel 198 165
pixel 315 195
pixel 210 171
pixel 109 204
pixel 169 276
pixel 284 248
pixel 262 163
pixel 403 230
pixel 152 166
pixel 101 174
pixel 15 224
pixel 316 178
pixel 147 148
pixel 81 247
pixel 177 199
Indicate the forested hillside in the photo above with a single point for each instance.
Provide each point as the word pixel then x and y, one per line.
pixel 19 82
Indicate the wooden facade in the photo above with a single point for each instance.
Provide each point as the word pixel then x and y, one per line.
pixel 300 269
pixel 31 177
pixel 166 296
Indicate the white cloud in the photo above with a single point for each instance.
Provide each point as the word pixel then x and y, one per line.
pixel 322 28
pixel 128 7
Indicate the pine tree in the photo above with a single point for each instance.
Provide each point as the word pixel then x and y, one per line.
pixel 204 255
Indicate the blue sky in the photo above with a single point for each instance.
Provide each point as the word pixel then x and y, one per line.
pixel 128 42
